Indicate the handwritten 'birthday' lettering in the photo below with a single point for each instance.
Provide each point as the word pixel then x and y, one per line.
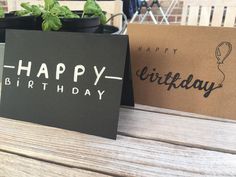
pixel 174 81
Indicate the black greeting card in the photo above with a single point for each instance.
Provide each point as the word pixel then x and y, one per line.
pixel 66 80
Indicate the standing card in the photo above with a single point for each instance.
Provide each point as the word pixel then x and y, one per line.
pixel 185 68
pixel 66 80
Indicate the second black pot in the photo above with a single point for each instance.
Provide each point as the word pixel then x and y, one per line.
pixel 108 29
pixel 88 25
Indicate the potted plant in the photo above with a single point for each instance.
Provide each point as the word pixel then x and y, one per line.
pixel 11 21
pixel 54 17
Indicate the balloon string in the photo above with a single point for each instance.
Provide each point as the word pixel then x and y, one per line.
pixel 222 74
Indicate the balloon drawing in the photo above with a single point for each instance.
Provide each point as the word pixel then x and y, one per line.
pixel 222 52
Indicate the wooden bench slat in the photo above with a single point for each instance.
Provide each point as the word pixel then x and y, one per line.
pixel 215 135
pixel 14 165
pixel 126 156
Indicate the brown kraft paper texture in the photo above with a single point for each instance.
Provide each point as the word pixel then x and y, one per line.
pixel 190 69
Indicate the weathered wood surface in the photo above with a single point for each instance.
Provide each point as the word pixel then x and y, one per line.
pixel 187 131
pixel 18 166
pixel 148 144
pixel 179 113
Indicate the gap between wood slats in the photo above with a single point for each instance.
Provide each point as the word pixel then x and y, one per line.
pixel 148 158
pixel 58 164
pixel 189 132
pixel 199 133
pixel 166 111
pixel 179 143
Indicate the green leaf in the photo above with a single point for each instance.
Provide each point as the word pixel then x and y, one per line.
pixel 48 4
pixel 51 22
pixel 53 11
pixel 26 6
pixel 36 11
pixel 28 9
pixel 56 10
pixel 21 13
pixel 65 12
pixel 2 14
pixel 103 18
pixel 92 7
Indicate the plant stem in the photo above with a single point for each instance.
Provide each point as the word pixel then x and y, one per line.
pixel 82 15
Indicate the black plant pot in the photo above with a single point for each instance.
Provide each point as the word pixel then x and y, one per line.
pixel 108 29
pixel 37 23
pixel 87 24
pixel 14 22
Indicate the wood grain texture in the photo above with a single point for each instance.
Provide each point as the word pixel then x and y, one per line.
pixel 126 156
pixel 179 113
pixel 17 166
pixel 207 134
